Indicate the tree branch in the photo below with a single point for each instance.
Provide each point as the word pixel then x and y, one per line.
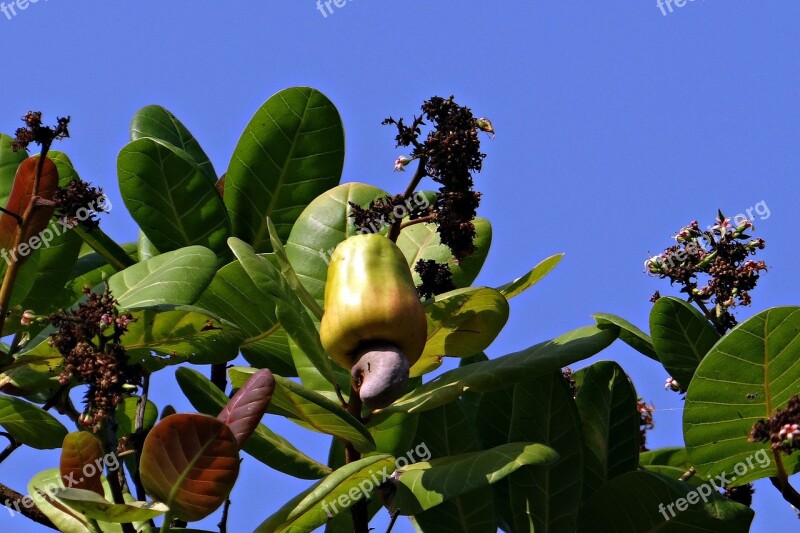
pixel 358 510
pixel 23 505
pixel 394 232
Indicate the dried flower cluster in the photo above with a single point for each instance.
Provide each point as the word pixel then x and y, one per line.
pixel 79 202
pixel 782 429
pixel 436 278
pixel 385 211
pixel 34 132
pixel 645 421
pixel 89 339
pixel 719 253
pixel 449 155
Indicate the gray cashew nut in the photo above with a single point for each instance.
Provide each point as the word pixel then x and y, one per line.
pixel 380 375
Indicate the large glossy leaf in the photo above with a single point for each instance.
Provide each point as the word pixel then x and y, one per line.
pixel 171 198
pixel 9 161
pixel 30 424
pixel 126 415
pixel 91 269
pixel 173 278
pixel 230 296
pixel 81 463
pixel 92 505
pixel 672 462
pixel 638 502
pixel 461 323
pixel 31 373
pixel 190 462
pixel 244 410
pixel 291 151
pixel 442 432
pixel 320 228
pixel 289 310
pixel 156 122
pixel 312 409
pixel 546 499
pixel 606 401
pixel 179 333
pixel 629 334
pixel 288 272
pixel 747 376
pixel 315 506
pixel 264 445
pixel 681 336
pixel 424 485
pixel 523 283
pixel 540 359
pixel 42 489
pixel 422 242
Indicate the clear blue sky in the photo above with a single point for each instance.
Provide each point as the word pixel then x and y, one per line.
pixel 616 125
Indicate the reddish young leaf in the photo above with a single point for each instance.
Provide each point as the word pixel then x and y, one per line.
pixel 190 462
pixel 81 463
pixel 244 411
pixel 20 197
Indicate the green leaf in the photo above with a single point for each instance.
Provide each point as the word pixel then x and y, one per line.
pixel 607 404
pixel 540 359
pixel 639 501
pixel 424 485
pixel 9 162
pixel 181 333
pixel 681 336
pixel 629 334
pixel 42 489
pixel 145 248
pixel 523 283
pixel 91 269
pixel 442 432
pixel 547 498
pixel 290 311
pixel 172 278
pixel 314 410
pixel 156 122
pixel 95 506
pixel 31 372
pixel 289 273
pixel 170 197
pixel 230 296
pixel 672 462
pixel 461 323
pixel 30 424
pixel 291 151
pixel 315 506
pixel 746 377
pixel 320 228
pixel 264 445
pixel 126 416
pixel 421 242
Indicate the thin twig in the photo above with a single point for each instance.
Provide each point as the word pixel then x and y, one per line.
pixel 394 519
pixel 13 444
pixel 139 435
pixel 781 482
pixel 16 502
pixel 394 232
pixel 420 220
pixel 218 376
pixel 223 523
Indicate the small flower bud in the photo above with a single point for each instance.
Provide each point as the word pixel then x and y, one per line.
pixel 672 385
pixel 27 318
pixel 401 163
